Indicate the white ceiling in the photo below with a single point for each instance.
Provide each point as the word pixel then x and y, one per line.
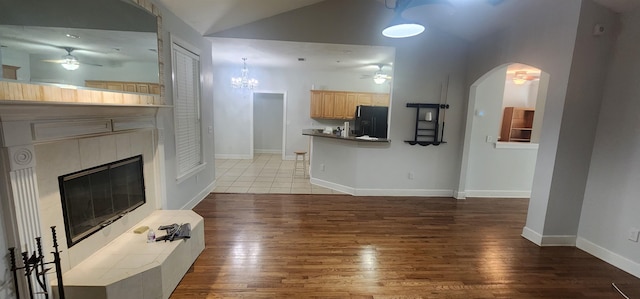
pixel 96 46
pixel 268 53
pixel 471 19
pixel 210 16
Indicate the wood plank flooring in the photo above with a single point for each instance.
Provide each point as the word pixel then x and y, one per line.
pixel 339 246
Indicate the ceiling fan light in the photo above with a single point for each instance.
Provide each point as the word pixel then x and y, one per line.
pixel 379 78
pixel 402 30
pixel 70 62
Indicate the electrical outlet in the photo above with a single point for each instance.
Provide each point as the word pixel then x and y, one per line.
pixel 490 138
pixel 321 167
pixel 410 175
pixel 634 233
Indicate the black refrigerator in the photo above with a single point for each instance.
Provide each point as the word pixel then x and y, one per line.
pixel 371 121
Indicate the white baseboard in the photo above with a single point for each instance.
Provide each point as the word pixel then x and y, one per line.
pixel 559 240
pixel 609 256
pixel 404 192
pixel 459 194
pixel 498 193
pixel 548 240
pixel 532 236
pixel 267 151
pixel 199 197
pixel 233 156
pixel 333 186
pixel 382 192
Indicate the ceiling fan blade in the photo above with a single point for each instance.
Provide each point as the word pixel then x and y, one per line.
pixel 53 60
pixel 94 64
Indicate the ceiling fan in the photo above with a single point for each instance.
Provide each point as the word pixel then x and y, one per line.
pixel 70 62
pixel 378 77
pixel 521 77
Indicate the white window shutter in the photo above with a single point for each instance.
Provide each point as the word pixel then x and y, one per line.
pixel 186 106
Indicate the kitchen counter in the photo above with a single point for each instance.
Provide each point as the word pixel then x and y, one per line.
pixel 318 133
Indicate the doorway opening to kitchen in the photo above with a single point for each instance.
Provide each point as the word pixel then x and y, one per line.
pixel 268 122
pixel 504 121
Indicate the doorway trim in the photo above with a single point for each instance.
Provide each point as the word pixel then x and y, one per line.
pixel 284 119
pixel 472 107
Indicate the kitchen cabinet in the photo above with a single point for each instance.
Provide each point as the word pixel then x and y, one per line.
pixel 327 104
pixel 517 124
pixel 316 104
pixel 10 72
pixel 340 105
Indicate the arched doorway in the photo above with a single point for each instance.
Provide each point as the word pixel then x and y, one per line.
pixel 494 165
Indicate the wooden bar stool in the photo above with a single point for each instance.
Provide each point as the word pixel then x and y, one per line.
pixel 304 163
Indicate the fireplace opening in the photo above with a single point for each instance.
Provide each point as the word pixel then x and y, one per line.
pixel 96 197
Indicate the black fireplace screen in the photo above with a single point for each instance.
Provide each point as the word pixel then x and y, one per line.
pixel 94 198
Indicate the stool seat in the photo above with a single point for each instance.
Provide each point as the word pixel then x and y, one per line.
pixel 302 154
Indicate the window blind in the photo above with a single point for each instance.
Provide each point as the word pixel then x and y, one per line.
pixel 186 107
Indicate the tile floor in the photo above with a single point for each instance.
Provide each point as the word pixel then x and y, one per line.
pixel 266 173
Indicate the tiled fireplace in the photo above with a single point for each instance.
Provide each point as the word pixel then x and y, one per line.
pixel 42 141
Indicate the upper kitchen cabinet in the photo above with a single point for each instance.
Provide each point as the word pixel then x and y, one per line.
pixel 328 104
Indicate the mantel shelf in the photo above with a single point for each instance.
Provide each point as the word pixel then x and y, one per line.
pixel 12 110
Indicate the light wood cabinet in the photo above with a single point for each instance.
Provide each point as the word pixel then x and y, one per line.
pixel 10 72
pixel 365 99
pixel 342 104
pixel 139 87
pixel 316 104
pixel 517 124
pixel 380 99
pixel 328 105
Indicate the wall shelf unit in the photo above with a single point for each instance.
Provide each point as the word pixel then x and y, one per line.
pixel 517 124
pixel 428 129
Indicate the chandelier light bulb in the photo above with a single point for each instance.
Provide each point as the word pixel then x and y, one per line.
pixel 244 81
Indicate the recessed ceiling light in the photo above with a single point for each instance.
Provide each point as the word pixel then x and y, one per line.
pixel 72 36
pixel 302 59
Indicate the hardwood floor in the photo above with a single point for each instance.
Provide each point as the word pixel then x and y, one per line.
pixel 339 246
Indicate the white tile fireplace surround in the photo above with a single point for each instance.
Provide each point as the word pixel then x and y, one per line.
pixel 41 141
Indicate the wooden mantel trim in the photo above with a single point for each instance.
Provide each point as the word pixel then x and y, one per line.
pixel 14 91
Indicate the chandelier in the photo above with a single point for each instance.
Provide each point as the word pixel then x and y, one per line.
pixel 244 81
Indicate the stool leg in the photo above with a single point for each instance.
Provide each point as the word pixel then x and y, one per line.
pixel 304 165
pixel 295 166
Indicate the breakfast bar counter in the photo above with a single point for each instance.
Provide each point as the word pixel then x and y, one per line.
pixel 319 133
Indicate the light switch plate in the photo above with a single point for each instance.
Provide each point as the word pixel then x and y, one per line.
pixel 634 233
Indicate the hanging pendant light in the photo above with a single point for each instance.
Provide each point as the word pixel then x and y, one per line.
pixel 244 81
pixel 401 27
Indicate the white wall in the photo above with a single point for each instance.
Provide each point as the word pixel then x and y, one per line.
pixel 187 193
pixel 10 57
pixel 496 172
pixel 422 65
pixel 233 111
pixel 543 38
pixel 54 73
pixel 524 95
pixel 611 206
pixel 268 122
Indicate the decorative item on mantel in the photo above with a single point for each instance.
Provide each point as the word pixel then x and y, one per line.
pixel 428 129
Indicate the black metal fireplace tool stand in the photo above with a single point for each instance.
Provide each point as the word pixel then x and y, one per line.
pixel 35 264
